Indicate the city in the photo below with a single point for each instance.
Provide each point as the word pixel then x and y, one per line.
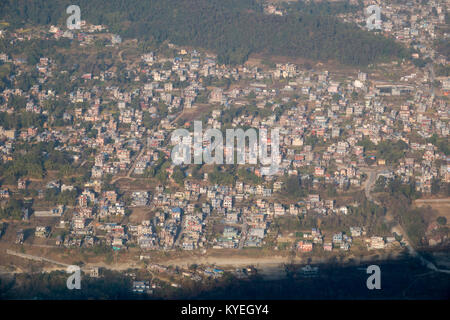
pixel 87 120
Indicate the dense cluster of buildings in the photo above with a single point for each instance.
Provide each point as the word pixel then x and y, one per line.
pixel 325 119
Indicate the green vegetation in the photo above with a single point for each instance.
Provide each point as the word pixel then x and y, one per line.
pixel 222 177
pixel 66 197
pixel 442 71
pixel 396 188
pixel 158 170
pixel 248 176
pixel 443 47
pixel 398 201
pixel 391 151
pixel 414 223
pixel 388 150
pixel 112 285
pixel 293 189
pixel 366 213
pixel 20 120
pixel 441 143
pixel 35 160
pixel 232 28
pixel 33 49
pixel 12 210
pixel 5 73
pixel 178 175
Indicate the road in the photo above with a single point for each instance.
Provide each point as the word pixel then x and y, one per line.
pixel 87 267
pixel 35 258
pixel 424 201
pixel 396 228
pixel 243 235
pixel 369 183
pixel 180 232
pixel 120 55
pixel 372 176
pixel 130 171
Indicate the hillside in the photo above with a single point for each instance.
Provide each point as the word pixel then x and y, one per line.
pixel 231 28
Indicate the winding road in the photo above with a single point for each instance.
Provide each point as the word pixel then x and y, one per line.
pixel 396 228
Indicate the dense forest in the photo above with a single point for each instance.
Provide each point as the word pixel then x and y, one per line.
pixel 232 28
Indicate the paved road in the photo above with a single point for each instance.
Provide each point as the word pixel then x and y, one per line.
pixel 372 176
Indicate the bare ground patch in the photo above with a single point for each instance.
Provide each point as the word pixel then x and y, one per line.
pixel 442 206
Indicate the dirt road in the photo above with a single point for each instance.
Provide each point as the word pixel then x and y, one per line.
pixel 373 175
pixel 57 265
pixel 130 171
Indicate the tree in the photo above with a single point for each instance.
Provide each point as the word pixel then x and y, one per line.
pixel 234 29
pixel 293 188
pixel 331 190
pixel 178 175
pixel 380 184
pixel 435 186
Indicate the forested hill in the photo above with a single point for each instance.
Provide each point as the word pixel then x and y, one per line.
pixel 231 28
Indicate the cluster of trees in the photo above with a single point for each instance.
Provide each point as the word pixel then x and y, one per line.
pixel 395 187
pixel 37 285
pixel 222 177
pixel 324 8
pixel 388 150
pixel 248 176
pixel 442 70
pixel 34 49
pixel 232 28
pixel 414 222
pixel 293 188
pixel 391 151
pixel 6 70
pixel 398 200
pixel 68 198
pixel 21 120
pixel 366 214
pixel 296 188
pixel 12 210
pixel 443 47
pixel 441 143
pixel 236 111
pixel 158 170
pixel 178 175
pixel 34 162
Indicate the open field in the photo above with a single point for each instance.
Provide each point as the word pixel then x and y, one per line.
pixel 230 259
pixel 139 214
pixel 442 206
